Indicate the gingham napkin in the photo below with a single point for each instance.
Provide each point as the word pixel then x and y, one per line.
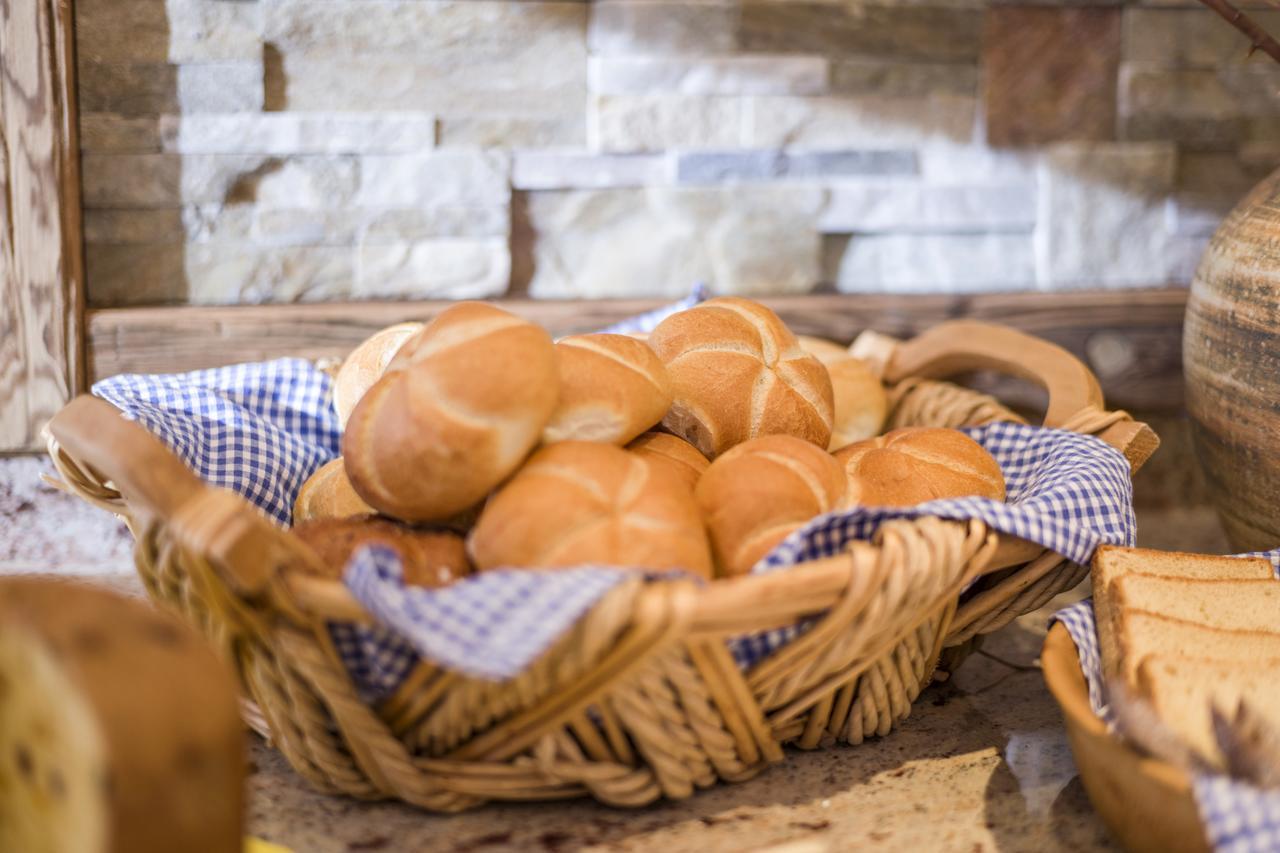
pixel 1237 817
pixel 262 429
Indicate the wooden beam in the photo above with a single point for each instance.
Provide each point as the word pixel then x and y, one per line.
pixel 1132 339
pixel 41 255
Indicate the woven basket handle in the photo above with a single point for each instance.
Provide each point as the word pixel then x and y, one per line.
pixel 1075 398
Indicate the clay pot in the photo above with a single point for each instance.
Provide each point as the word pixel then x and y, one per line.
pixel 1231 358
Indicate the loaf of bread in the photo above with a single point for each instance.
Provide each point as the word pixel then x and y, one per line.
pixel 612 388
pixel 578 503
pixel 675 454
pixel 1113 562
pixel 119 728
pixel 430 557
pixel 328 494
pixel 366 364
pixel 913 465
pixel 738 373
pixel 457 411
pixel 861 403
pixel 756 494
pixel 825 351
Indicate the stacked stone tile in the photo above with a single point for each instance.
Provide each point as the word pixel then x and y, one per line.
pixel 281 150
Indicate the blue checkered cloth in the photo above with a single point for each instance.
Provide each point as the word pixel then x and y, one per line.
pixel 1237 817
pixel 263 429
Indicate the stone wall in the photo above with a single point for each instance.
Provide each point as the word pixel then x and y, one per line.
pixel 279 150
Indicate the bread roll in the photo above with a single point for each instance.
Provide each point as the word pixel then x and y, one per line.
pixel 825 351
pixel 119 727
pixel 456 412
pixel 738 373
pixel 612 388
pixel 756 494
pixel 916 464
pixel 861 404
pixel 675 454
pixel 365 364
pixel 431 558
pixel 328 494
pixel 577 503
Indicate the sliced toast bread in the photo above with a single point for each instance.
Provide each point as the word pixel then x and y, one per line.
pixel 1112 562
pixel 1241 605
pixel 1181 691
pixel 1140 634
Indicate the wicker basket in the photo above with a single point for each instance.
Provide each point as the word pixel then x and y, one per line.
pixel 641 699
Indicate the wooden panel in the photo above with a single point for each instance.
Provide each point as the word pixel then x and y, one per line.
pixel 1132 339
pixel 41 260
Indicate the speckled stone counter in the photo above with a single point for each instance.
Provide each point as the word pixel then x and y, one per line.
pixel 981 764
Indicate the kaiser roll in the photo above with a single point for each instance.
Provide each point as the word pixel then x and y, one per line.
pixel 675 454
pixel 430 557
pixel 578 502
pixel 612 388
pixel 328 494
pixel 917 464
pixel 365 364
pixel 861 404
pixel 737 373
pixel 754 495
pixel 457 411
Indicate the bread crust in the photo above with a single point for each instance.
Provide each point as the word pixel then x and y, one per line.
pixel 431 557
pixel 756 494
pixel 675 454
pixel 737 372
pixel 612 388
pixel 913 465
pixel 579 503
pixel 328 494
pixel 860 402
pixel 365 364
pixel 458 409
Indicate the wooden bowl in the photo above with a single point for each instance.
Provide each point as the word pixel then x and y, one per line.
pixel 1147 804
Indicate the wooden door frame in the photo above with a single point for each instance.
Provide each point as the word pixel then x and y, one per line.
pixel 42 359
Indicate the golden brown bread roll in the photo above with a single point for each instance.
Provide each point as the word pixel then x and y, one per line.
pixel 612 388
pixel 328 494
pixel 861 404
pixel 917 464
pixel 365 364
pixel 431 557
pixel 577 502
pixel 738 373
pixel 825 351
pixel 675 454
pixel 456 412
pixel 756 494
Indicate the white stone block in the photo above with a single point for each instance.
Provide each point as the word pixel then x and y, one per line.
pixel 902 206
pixel 434 269
pixel 568 131
pixel 726 75
pixel 623 124
pixel 298 133
pixel 178 31
pixel 930 263
pixel 444 177
pixel 860 122
pixel 221 87
pixel 554 170
pixel 225 273
pixel 658 242
pixel 1102 214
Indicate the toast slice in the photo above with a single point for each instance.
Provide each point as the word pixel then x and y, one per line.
pixel 1141 634
pixel 1111 562
pixel 1182 691
pixel 1242 605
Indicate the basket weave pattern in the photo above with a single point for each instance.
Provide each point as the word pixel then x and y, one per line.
pixel 641 699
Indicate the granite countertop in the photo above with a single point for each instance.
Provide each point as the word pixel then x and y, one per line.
pixel 982 763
